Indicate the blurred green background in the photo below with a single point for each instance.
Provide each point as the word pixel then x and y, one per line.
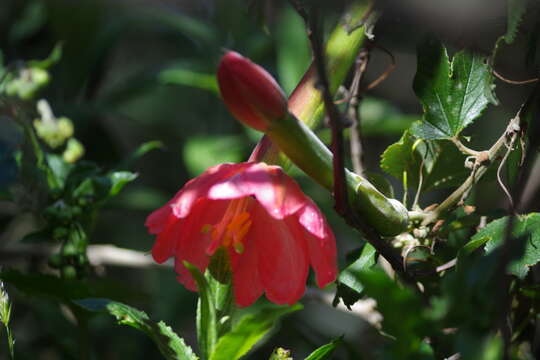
pixel 138 71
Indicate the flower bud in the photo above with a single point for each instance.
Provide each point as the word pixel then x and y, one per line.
pixel 250 93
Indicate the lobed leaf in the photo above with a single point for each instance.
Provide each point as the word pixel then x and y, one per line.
pixel 453 93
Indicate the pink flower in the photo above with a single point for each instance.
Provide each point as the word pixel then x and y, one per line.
pixel 250 93
pixel 270 229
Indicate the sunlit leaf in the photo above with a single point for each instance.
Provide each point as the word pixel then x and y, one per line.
pixel 350 288
pixel 453 93
pixel 325 351
pixel 441 162
pixel 206 313
pixel 249 331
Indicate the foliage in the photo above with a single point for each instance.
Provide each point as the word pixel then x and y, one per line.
pixel 87 88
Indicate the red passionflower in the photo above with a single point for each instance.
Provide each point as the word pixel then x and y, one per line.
pixel 270 229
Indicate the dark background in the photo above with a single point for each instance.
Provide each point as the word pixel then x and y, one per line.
pixel 136 71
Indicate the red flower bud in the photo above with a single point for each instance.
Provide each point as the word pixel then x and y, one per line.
pixel 250 93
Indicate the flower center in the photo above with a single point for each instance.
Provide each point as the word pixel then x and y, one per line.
pixel 232 228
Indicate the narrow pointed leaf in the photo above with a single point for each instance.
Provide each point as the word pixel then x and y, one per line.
pixel 206 313
pixel 325 351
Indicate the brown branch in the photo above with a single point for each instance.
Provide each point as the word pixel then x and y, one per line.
pixel 335 119
pixel 337 125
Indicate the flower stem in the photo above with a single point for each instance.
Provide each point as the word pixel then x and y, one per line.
pixel 303 147
pixel 306 101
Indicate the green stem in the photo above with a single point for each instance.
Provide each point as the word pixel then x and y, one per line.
pixel 492 154
pixel 303 147
pixel 306 100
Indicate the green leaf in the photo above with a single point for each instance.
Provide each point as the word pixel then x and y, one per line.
pixel 526 227
pixel 204 151
pixel 325 351
pixel 33 17
pixel 249 331
pixel 293 51
pixel 408 327
pixel 53 58
pixel 168 342
pixel 380 117
pixel 119 179
pixel 441 162
pixel 453 94
pixel 206 313
pixel 516 9
pixel 181 76
pixel 142 150
pixel 349 286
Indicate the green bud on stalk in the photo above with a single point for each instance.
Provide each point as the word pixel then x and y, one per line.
pixel 256 100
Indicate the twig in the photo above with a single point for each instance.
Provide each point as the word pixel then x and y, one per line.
pixel 98 255
pixel 478 172
pixel 514 82
pixel 446 266
pixel 336 120
pixel 353 114
pixel 388 70
pixel 337 124
pixel 510 244
pixel 464 149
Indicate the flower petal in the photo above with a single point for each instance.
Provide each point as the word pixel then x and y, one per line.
pixel 282 258
pixel 159 219
pixel 246 280
pixel 198 187
pixel 278 193
pixel 165 244
pixel 321 243
pixel 192 241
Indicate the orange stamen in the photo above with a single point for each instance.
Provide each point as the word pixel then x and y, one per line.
pixel 233 227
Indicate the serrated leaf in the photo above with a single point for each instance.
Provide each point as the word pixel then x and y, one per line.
pixel 453 94
pixel 206 313
pixel 350 288
pixel 249 331
pixel 515 11
pixel 168 342
pixel 441 162
pixel 325 351
pixel 527 227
